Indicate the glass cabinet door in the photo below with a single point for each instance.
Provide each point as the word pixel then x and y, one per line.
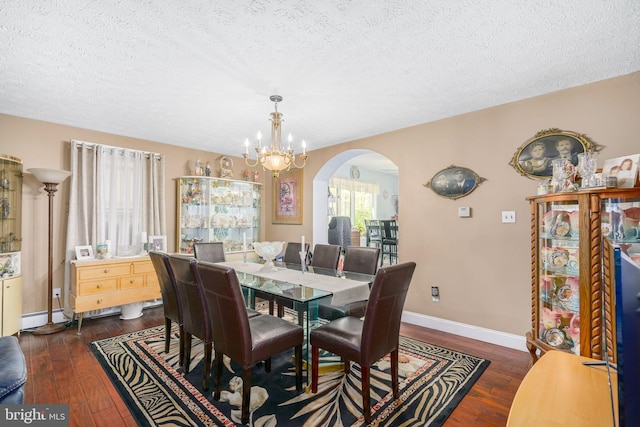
pixel 559 275
pixel 218 210
pixel 10 215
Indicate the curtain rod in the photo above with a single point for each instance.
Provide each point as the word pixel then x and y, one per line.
pixel 94 145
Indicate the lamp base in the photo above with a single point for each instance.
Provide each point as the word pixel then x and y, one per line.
pixel 49 328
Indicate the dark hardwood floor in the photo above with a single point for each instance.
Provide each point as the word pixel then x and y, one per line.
pixel 62 369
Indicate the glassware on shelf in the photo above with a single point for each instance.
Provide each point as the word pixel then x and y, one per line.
pixel 587 166
pixel 564 174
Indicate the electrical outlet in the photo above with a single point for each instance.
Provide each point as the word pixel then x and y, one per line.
pixel 56 292
pixel 508 216
pixel 435 293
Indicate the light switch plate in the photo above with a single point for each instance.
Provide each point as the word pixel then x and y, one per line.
pixel 464 212
pixel 508 216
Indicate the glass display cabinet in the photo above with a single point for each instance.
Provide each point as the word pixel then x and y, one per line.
pixel 217 210
pixel 10 244
pixel 571 305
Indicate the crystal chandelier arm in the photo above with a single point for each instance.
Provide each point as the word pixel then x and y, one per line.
pixel 304 158
pixel 246 160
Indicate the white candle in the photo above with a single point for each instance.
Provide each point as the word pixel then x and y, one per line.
pixel 304 147
pixel 244 242
pixel 246 146
pixel 302 245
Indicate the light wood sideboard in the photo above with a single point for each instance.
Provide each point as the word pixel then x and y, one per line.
pixel 98 284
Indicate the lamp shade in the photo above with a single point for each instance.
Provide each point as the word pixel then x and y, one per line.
pixel 50 176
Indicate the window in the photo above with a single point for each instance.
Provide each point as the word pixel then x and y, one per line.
pixel 353 198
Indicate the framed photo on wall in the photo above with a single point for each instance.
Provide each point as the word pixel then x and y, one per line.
pixel 288 197
pixel 454 182
pixel 534 158
pixel 624 168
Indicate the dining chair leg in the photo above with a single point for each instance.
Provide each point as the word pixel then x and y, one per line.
pixel 217 374
pixel 187 353
pixel 394 373
pixel 207 366
pixel 366 394
pixel 167 334
pixel 181 352
pixel 246 394
pixel 347 366
pixel 298 356
pixel 315 351
pixel 267 365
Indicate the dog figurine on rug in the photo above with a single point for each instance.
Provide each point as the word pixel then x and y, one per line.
pixel 259 396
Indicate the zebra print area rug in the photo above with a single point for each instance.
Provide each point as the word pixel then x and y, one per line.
pixel 433 380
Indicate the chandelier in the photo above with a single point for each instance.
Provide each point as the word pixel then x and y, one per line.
pixel 275 157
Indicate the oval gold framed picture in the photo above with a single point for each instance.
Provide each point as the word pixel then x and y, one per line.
pixel 534 158
pixel 454 182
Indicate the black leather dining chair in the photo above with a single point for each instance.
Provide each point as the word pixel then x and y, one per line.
pixel 170 300
pixel 292 252
pixel 197 320
pixel 209 251
pixel 196 314
pixel 357 259
pixel 326 256
pixel 367 341
pixel 245 340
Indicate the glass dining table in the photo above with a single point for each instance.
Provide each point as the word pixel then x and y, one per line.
pixel 303 291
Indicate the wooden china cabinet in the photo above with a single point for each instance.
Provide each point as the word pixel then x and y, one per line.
pixel 571 291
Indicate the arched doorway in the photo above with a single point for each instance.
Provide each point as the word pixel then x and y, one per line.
pixel 321 185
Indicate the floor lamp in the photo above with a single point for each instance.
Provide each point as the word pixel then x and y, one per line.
pixel 50 178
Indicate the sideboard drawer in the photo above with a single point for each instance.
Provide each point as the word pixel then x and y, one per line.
pixel 130 282
pixel 97 286
pixel 98 272
pixel 143 267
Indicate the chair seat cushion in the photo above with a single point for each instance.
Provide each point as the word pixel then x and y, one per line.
pixel 252 313
pixel 331 312
pixel 13 371
pixel 272 335
pixel 341 336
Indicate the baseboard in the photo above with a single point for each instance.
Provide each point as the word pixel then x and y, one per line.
pixel 37 319
pixel 503 339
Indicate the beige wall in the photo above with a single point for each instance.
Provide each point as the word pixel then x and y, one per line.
pixel 481 266
pixel 43 144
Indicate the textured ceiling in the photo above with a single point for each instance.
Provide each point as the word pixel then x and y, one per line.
pixel 199 73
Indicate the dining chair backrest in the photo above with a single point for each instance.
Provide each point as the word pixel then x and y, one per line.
pixel 168 289
pixel 389 229
pixel 196 314
pixel 360 259
pixel 209 251
pixel 372 230
pixel 326 256
pixel 292 252
pixel 381 328
pixel 222 293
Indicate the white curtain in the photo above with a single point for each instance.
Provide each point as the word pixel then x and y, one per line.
pixel 116 195
pixel 354 185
